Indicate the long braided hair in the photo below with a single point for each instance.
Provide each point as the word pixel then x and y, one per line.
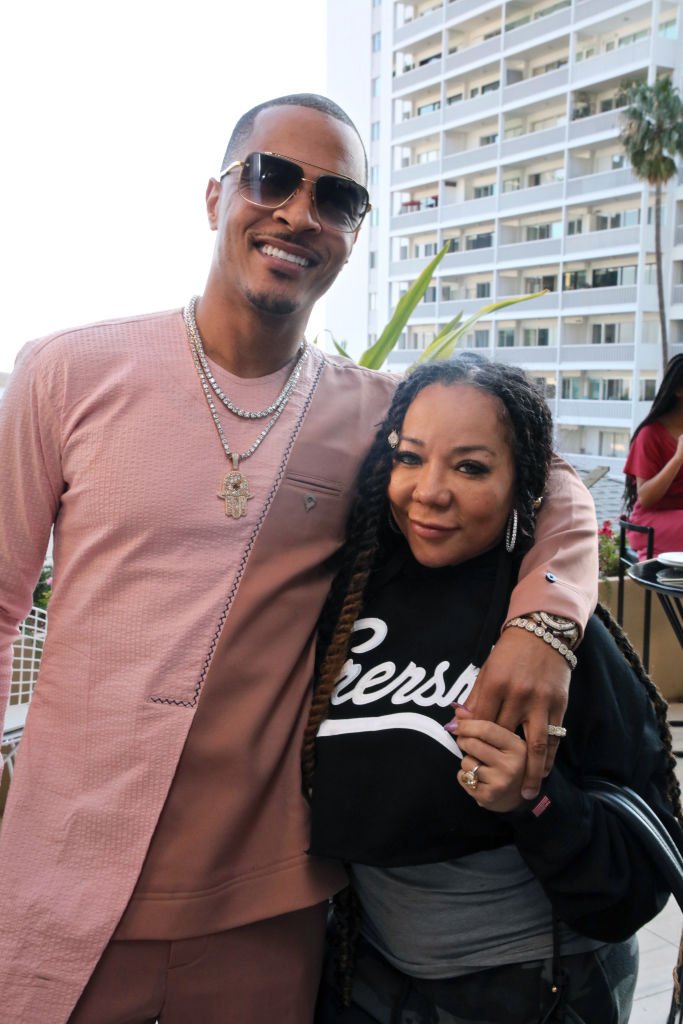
pixel 664 401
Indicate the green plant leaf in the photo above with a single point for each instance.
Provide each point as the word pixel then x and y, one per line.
pixel 441 347
pixel 373 358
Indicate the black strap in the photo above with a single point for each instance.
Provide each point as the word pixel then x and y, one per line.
pixel 664 852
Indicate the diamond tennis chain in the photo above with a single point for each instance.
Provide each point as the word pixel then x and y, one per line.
pixel 235 489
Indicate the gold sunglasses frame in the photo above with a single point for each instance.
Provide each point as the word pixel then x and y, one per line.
pixel 311 181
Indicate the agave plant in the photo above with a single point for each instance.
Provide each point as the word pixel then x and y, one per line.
pixel 443 344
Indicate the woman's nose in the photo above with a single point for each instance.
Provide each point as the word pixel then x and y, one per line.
pixel 431 487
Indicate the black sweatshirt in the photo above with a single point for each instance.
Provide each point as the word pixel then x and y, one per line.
pixel 386 793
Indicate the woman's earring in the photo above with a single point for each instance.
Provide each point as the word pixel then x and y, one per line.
pixel 511 532
pixel 392 438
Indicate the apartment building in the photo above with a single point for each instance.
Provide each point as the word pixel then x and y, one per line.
pixel 494 128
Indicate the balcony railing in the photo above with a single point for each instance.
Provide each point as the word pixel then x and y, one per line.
pixel 603 181
pixel 614 239
pixel 541 248
pixel 596 354
pixel 466 55
pixel 539 28
pixel 469 158
pixel 537 195
pixel 546 138
pixel 407 80
pixel 594 410
pixel 547 83
pixel 418 27
pixel 606 122
pixel 522 355
pixel 618 296
pixel 617 62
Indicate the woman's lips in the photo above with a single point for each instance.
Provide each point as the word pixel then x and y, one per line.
pixel 431 531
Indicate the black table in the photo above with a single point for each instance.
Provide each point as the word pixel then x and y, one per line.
pixel 670 597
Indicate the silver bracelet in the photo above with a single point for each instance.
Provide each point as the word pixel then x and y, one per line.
pixel 545 634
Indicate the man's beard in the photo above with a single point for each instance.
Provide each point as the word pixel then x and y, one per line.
pixel 266 302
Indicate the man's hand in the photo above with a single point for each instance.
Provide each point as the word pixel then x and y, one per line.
pixel 524 682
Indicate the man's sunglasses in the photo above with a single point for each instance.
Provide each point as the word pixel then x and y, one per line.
pixel 270 180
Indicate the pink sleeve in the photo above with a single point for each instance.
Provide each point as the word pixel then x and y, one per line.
pixel 30 421
pixel 560 572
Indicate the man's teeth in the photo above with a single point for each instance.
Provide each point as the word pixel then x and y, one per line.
pixel 280 254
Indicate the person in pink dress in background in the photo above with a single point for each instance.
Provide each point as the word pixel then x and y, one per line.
pixel 653 495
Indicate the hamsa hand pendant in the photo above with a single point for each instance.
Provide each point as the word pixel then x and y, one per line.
pixel 235 494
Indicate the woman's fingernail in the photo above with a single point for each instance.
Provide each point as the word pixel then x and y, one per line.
pixel 529 794
pixel 455 704
pixel 452 726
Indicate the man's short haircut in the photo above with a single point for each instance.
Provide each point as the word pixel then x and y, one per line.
pixel 312 100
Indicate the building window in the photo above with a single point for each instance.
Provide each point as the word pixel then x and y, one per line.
pixel 506 337
pixel 616 389
pixel 480 191
pixel 648 389
pixel 372 301
pixel 571 387
pixel 376 86
pixel 374 216
pixel 374 131
pixel 481 339
pixel 481 241
pixel 376 42
pixel 488 140
pixel 372 259
pixel 573 279
pixel 490 86
pixel 604 334
pixel 575 226
pixel 483 291
pixel 536 336
pixel 374 174
pixel 614 443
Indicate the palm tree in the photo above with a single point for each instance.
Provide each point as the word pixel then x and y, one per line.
pixel 653 138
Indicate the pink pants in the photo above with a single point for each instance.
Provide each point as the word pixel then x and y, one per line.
pixel 263 972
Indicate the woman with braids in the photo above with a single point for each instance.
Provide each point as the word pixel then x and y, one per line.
pixel 468 904
pixel 653 495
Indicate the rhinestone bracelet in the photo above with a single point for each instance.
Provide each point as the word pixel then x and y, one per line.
pixel 545 634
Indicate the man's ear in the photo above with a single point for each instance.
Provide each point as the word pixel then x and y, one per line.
pixel 213 198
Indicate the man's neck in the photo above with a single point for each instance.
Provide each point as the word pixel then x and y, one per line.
pixel 248 343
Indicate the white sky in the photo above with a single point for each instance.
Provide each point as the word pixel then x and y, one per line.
pixel 114 116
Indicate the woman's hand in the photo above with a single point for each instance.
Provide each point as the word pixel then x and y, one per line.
pixel 501 756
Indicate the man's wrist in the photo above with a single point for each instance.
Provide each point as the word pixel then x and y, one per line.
pixel 554 630
pixel 564 629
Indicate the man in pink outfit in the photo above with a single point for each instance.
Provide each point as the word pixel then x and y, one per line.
pixel 197 466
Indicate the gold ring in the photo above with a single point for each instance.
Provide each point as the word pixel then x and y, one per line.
pixel 469 777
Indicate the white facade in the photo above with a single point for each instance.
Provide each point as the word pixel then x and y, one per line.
pixel 494 126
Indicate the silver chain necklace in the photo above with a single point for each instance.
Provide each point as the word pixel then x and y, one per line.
pixel 234 491
pixel 290 383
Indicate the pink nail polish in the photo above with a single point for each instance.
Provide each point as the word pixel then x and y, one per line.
pixel 452 726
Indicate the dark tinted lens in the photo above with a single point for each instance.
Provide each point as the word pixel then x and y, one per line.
pixel 340 203
pixel 269 180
